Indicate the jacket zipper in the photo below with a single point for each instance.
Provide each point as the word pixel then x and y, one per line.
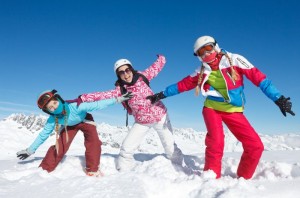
pixel 230 78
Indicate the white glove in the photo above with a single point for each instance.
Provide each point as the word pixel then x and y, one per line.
pixel 124 97
pixel 23 154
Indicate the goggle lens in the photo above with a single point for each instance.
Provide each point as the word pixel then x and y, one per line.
pixel 44 99
pixel 204 49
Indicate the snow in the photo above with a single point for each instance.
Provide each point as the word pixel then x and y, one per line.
pixel 277 175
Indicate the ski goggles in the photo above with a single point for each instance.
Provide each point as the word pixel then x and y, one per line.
pixel 45 98
pixel 206 48
pixel 122 72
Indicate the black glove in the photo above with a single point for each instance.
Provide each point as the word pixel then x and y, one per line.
pixel 125 97
pixel 285 105
pixel 23 154
pixel 156 97
pixel 77 100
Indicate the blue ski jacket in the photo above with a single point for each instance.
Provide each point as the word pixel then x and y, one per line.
pixel 75 115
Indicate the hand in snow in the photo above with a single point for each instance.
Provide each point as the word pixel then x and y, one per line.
pixel 23 154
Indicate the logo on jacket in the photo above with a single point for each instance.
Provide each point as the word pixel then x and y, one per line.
pixel 243 62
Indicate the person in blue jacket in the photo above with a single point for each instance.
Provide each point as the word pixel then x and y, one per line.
pixel 71 118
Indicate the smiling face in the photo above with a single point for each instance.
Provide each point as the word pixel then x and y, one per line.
pixel 125 73
pixel 52 105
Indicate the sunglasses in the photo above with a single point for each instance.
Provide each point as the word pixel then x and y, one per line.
pixel 206 48
pixel 122 72
pixel 45 98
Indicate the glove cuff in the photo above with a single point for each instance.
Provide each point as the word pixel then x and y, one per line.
pixel 162 95
pixel 29 151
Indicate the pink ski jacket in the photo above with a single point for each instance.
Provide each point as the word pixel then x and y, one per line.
pixel 142 109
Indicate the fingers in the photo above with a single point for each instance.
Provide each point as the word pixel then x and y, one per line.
pixel 22 156
pixel 289 106
pixel 128 95
pixel 291 112
pixel 283 112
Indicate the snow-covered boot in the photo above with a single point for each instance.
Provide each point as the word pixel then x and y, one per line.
pixel 94 174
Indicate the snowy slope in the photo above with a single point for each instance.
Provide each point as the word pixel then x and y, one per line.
pixel 277 175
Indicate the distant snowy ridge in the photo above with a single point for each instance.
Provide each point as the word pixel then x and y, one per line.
pixel 114 135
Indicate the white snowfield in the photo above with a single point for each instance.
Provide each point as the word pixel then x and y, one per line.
pixel 277 175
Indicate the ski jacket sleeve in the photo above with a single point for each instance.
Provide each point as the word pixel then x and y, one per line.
pixel 93 106
pixel 269 90
pixel 152 71
pixel 256 77
pixel 186 84
pixel 43 135
pixel 91 97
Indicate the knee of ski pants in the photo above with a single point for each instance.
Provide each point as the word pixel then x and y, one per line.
pixel 257 146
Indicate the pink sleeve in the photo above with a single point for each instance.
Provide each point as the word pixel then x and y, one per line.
pixel 155 68
pixel 91 97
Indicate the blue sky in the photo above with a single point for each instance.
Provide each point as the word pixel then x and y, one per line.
pixel 72 45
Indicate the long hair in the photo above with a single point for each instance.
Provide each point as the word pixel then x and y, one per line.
pixel 234 75
pixel 197 90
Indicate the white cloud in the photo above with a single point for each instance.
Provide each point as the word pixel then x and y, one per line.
pixel 15 104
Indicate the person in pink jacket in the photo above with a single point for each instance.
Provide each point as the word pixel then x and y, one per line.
pixel 146 115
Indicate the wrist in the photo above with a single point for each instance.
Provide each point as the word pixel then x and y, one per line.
pixel 29 151
pixel 162 95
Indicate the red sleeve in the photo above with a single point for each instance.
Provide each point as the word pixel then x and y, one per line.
pixel 254 75
pixel 187 83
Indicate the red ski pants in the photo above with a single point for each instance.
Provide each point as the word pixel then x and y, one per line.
pixel 242 130
pixel 92 144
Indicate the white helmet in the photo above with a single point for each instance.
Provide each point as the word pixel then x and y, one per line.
pixel 120 63
pixel 203 40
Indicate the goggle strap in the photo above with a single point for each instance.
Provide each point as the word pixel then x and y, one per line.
pixel 53 91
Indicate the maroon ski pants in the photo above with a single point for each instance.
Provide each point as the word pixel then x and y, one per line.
pixel 242 130
pixel 92 144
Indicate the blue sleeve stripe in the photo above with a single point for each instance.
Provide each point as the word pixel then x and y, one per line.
pixel 171 90
pixel 269 89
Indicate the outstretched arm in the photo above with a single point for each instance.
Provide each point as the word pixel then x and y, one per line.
pixel 40 139
pixel 186 84
pixel 260 79
pixel 153 70
pixel 95 96
pixel 169 91
pixel 102 104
